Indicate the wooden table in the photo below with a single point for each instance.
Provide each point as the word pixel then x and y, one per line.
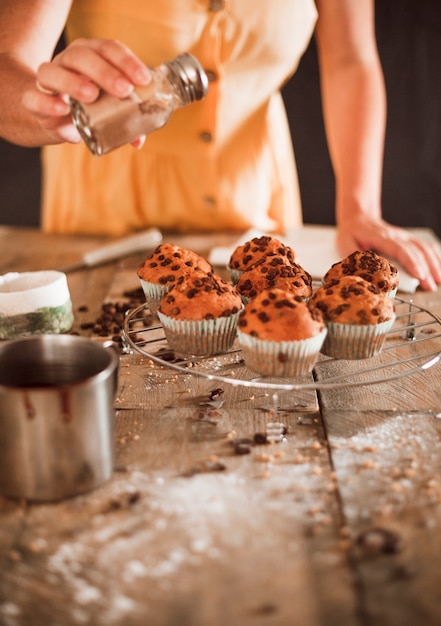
pixel 337 524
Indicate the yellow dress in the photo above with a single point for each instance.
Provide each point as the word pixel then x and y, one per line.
pixel 225 163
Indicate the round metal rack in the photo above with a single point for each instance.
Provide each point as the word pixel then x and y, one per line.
pixel 412 345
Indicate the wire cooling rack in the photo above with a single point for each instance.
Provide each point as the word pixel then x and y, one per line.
pixel 412 345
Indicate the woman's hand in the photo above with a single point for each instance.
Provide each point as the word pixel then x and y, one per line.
pixel 419 258
pixel 81 71
pixel 354 100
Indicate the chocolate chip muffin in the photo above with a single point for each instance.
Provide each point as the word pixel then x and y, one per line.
pixel 248 253
pixel 164 266
pixel 371 267
pixel 273 271
pixel 357 315
pixel 199 314
pixel 279 335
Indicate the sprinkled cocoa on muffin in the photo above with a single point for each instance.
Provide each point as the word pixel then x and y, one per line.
pixel 199 314
pixel 164 266
pixel 200 297
pixel 246 255
pixel 273 271
pixel 357 315
pixel 352 300
pixel 371 267
pixel 279 334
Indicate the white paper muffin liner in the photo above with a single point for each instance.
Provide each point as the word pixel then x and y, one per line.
pixel 285 359
pixel 234 274
pixel 245 299
pixel 392 293
pixel 200 337
pixel 153 294
pixel 351 341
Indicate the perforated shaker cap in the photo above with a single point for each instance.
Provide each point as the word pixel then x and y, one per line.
pixel 193 80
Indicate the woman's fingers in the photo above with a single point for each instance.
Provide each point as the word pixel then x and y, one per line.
pixel 413 258
pixel 52 112
pixel 81 71
pixel 419 258
pixel 55 78
pixel 87 64
pixel 432 254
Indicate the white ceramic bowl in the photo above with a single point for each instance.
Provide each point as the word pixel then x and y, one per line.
pixel 34 303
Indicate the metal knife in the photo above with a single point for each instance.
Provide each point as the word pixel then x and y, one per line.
pixel 143 241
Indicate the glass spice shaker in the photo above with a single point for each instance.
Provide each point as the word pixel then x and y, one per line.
pixel 110 122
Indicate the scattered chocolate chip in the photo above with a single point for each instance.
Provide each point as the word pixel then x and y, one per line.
pixel 110 321
pixel 167 355
pixel 216 393
pixel 123 501
pixel 378 540
pixel 266 609
pixel 87 325
pixel 242 448
pixel 204 467
pixel 242 445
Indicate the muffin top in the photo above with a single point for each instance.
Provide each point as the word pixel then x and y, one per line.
pixel 200 297
pixel 274 271
pixel 367 265
pixel 278 315
pixel 245 255
pixel 168 261
pixel 352 300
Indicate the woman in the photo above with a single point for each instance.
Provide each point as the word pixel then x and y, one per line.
pixel 225 162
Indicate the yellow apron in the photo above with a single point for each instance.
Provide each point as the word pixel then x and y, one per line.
pixel 225 163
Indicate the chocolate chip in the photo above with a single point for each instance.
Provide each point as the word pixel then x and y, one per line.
pixel 260 438
pixel 216 393
pixel 378 540
pixel 263 317
pixel 242 448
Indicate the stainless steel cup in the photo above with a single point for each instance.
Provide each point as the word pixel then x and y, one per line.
pixel 56 416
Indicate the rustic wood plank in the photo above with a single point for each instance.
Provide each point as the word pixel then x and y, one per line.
pixel 167 541
pixel 385 442
pixel 22 249
pixel 387 466
pixel 188 531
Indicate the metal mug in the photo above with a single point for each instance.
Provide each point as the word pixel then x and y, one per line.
pixel 56 416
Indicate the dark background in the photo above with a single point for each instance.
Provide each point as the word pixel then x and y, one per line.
pixel 409 41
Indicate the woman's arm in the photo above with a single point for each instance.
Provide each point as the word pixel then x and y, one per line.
pixel 34 100
pixel 29 32
pixel 354 109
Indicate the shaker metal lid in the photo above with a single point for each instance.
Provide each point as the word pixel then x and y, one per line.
pixel 82 122
pixel 192 76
